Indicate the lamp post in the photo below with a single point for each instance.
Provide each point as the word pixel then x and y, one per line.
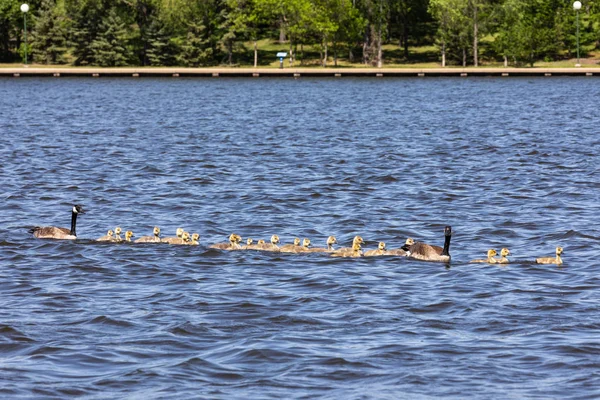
pixel 577 7
pixel 24 9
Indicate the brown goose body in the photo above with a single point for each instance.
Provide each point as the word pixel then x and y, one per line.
pixel 426 252
pixel 233 244
pixel 551 260
pixel 331 240
pixel 155 238
pixel 106 238
pixel 379 251
pixel 355 251
pixel 490 257
pixel 290 248
pixel 54 232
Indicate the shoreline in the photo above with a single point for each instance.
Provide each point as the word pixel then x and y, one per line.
pixel 26 71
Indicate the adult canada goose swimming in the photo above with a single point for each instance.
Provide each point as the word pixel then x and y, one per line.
pixel 195 239
pixel 53 232
pixel 174 240
pixel 151 239
pixel 355 251
pixel 331 240
pixel 402 251
pixel 551 260
pixel 490 257
pixel 117 237
pixel 106 238
pixel 128 236
pixel 234 243
pixel 380 251
pixel 503 254
pixel 426 252
pixel 289 248
pixel 270 246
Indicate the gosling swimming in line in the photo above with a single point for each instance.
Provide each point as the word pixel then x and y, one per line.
pixel 331 240
pixel 355 251
pixel 426 252
pixel 194 240
pixel 270 246
pixel 380 251
pixel 234 243
pixel 151 239
pixel 551 260
pixel 289 248
pixel 490 257
pixel 128 236
pixel 117 237
pixel 174 240
pixel 504 253
pixel 106 238
pixel 304 248
pixel 402 251
pixel 53 232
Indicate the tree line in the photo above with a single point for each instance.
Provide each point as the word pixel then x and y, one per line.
pixel 226 32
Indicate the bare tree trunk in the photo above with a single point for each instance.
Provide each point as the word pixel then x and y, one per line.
pixel 335 50
pixel 230 51
pixel 301 53
pixel 475 34
pixel 379 51
pixel 255 54
pixel 325 58
pixel 505 62
pixel 405 40
pixel 464 57
pixel 444 54
pixel 282 30
pixel 291 54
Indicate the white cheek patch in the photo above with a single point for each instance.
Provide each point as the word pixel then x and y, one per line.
pixel 75 210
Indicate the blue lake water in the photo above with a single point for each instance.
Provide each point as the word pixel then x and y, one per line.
pixel 507 162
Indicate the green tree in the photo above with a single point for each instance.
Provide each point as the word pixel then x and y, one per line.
pixel 109 48
pixel 49 34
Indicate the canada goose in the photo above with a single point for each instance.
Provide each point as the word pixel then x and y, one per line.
pixel 270 246
pixel 355 251
pixel 289 248
pixel 380 251
pixel 402 251
pixel 234 243
pixel 490 257
pixel 151 239
pixel 174 240
pixel 426 252
pixel 195 239
pixel 53 232
pixel 106 238
pixel 117 237
pixel 331 240
pixel 551 260
pixel 128 236
pixel 503 254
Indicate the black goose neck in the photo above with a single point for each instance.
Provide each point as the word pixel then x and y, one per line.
pixel 73 223
pixel 446 249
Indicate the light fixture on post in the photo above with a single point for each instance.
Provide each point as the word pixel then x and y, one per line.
pixel 577 7
pixel 24 10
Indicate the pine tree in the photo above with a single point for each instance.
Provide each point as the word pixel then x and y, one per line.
pixel 161 49
pixel 49 35
pixel 109 49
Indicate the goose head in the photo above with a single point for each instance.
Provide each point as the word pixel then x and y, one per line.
pixel 381 246
pixel 274 239
pixel 195 237
pixel 110 233
pixel 156 231
pixel 296 241
pixel 559 251
pixel 77 209
pixel 260 242
pixel 448 231
pixel 306 243
pixel 185 236
pixel 233 238
pixel 118 231
pixel 357 240
pixel 491 253
pixel 504 252
pixel 128 236
pixel 409 242
pixel 249 241
pixel 331 241
pixel 179 232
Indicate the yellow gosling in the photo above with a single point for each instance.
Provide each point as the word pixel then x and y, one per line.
pixel 552 260
pixel 174 240
pixel 289 248
pixel 380 251
pixel 155 238
pixel 355 251
pixel 233 244
pixel 106 238
pixel 504 253
pixel 331 240
pixel 490 257
pixel 402 251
